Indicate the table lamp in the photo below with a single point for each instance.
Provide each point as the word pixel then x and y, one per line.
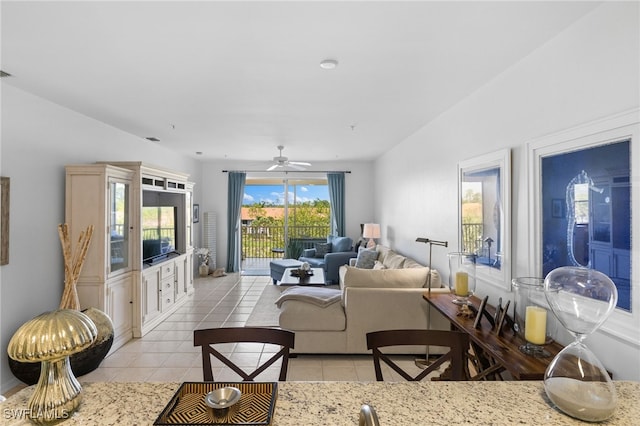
pixel 371 231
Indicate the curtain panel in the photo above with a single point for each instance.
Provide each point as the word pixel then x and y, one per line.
pixel 234 205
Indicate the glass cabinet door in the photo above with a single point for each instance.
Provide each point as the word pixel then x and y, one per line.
pixel 118 226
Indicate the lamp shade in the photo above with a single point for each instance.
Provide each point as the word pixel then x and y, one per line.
pixel 371 230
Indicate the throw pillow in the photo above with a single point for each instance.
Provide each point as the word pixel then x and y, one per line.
pixel 341 244
pixel 322 249
pixel 379 265
pixel 366 258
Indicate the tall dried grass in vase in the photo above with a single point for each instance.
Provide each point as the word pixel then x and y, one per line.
pixel 73 261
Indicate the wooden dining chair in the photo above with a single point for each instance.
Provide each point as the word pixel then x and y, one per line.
pixel 457 343
pixel 207 338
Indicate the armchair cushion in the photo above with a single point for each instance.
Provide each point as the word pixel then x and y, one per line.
pixel 340 243
pixel 322 249
pixel 310 252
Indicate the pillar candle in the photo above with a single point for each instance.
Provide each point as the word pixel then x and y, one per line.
pixel 462 284
pixel 535 325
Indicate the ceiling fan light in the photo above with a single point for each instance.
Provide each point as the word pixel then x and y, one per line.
pixel 328 64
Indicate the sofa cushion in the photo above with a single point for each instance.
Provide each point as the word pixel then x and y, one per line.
pixel 410 263
pixel 383 278
pixel 393 260
pixel 298 316
pixel 340 243
pixel 379 265
pixel 366 258
pixel 383 251
pixel 322 249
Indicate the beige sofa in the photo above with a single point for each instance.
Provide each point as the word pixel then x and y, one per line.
pixel 370 300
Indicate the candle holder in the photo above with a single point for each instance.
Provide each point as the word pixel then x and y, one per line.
pixel 462 276
pixel 533 320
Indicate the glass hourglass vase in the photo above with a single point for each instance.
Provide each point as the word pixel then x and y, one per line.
pixel 575 380
pixel 533 320
pixel 462 276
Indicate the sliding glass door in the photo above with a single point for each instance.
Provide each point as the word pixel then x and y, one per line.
pixel 279 215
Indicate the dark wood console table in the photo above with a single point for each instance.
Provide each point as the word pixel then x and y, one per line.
pixel 494 353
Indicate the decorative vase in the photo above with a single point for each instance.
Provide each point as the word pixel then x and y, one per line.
pixel 203 270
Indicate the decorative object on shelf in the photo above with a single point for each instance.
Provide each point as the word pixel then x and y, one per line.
pixel 462 276
pixel 50 338
pixel 203 258
pixel 533 321
pixel 575 380
pixel 371 231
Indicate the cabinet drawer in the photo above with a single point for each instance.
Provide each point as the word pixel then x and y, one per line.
pixel 167 271
pixel 168 293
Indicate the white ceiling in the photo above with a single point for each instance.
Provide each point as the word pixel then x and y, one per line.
pixel 235 79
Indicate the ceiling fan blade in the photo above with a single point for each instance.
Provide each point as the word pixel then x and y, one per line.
pixel 300 163
pixel 295 166
pixel 273 167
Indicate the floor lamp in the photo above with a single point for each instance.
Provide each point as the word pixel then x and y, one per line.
pixel 423 363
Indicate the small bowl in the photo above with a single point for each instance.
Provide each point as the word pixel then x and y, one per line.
pixel 222 398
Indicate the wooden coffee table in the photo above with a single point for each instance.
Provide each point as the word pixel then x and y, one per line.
pixel 316 279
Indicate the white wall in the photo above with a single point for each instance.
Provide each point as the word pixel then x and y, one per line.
pixel 358 189
pixel 589 71
pixel 38 139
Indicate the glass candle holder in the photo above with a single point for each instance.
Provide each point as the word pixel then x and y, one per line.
pixel 462 276
pixel 533 319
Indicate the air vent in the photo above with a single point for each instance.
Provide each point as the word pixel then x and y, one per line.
pixel 152 139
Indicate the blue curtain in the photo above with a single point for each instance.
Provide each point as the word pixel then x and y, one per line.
pixel 337 198
pixel 234 204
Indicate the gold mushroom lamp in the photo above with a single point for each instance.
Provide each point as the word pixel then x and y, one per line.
pixel 50 338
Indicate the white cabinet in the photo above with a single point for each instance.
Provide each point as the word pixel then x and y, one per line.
pixel 119 308
pixel 100 195
pixel 139 266
pixel 151 293
pixel 164 289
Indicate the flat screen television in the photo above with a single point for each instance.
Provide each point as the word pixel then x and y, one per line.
pixel 158 232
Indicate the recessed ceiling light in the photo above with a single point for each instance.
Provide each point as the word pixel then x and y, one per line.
pixel 152 139
pixel 328 64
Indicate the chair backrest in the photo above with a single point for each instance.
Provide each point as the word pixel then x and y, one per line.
pixel 206 338
pixel 456 341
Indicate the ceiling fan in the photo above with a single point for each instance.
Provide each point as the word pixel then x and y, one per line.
pixel 282 162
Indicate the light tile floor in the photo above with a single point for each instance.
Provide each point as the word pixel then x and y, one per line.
pixel 167 352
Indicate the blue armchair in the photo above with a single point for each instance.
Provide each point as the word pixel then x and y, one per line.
pixel 341 250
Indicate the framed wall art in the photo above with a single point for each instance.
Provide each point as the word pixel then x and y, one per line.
pixel 484 215
pixel 4 215
pixel 583 190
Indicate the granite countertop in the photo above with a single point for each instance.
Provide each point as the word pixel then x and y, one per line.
pixel 338 403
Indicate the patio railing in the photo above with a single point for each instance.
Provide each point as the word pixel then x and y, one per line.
pixel 269 241
pixel 472 237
